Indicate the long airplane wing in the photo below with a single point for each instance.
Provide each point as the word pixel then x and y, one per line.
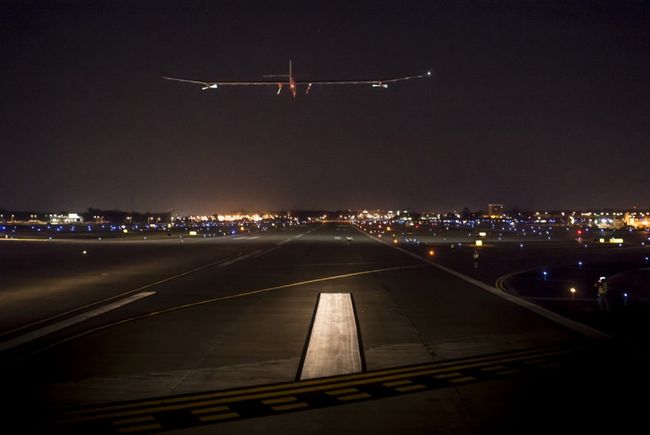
pixel 214 84
pixel 362 82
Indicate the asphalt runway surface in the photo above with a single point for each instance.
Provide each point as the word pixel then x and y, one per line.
pixel 514 262
pixel 207 336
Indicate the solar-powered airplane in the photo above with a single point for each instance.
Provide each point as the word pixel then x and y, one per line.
pixel 292 83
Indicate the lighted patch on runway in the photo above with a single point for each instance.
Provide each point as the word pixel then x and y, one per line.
pixel 333 346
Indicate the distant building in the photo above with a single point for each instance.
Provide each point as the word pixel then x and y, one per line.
pixel 34 218
pixel 495 210
pixel 637 220
pixel 604 219
pixel 70 218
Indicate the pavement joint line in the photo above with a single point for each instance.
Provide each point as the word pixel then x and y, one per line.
pixel 213 300
pixel 298 389
pixel 578 327
pixel 135 290
pixel 62 324
pixel 281 388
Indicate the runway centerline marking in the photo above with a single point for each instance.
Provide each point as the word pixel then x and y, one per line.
pixel 47 330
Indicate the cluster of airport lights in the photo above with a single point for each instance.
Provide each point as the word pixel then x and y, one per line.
pixel 381 228
pixel 368 226
pixel 204 229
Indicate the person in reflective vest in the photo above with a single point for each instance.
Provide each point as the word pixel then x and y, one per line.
pixel 601 287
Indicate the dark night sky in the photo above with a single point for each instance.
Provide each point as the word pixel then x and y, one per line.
pixel 535 104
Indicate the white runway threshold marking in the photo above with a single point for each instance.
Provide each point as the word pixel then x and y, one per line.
pixel 333 347
pixel 49 329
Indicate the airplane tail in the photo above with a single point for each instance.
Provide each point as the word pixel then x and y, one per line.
pixel 282 75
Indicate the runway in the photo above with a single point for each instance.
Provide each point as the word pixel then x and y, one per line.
pixel 236 312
